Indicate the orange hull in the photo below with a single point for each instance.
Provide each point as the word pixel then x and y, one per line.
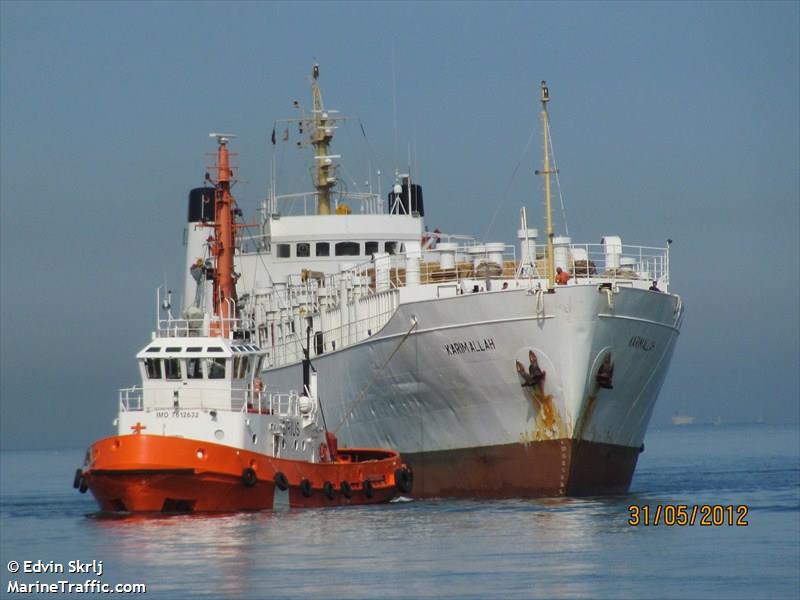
pixel 148 473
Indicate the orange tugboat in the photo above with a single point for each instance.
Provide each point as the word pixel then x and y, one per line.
pixel 202 433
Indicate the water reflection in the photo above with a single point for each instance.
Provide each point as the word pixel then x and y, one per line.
pixel 412 548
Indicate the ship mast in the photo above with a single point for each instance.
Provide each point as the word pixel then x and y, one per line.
pixel 321 137
pixel 545 98
pixel 222 246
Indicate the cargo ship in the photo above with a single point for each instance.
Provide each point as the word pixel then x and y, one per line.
pixel 496 370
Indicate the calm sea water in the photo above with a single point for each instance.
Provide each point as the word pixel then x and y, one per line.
pixel 442 549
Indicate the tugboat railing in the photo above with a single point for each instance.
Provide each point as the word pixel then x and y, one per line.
pixel 241 400
pixel 200 327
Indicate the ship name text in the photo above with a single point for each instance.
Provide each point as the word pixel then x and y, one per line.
pixel 484 345
pixel 642 343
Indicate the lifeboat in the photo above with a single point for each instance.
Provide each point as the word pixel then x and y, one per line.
pixel 203 433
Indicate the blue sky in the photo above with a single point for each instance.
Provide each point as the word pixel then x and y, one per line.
pixel 670 120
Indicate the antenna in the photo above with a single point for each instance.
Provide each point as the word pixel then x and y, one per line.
pixel 222 138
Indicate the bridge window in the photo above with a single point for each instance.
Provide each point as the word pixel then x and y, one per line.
pixel 194 368
pixel 370 247
pixel 172 368
pixel 348 249
pixel 391 247
pixel 323 249
pixel 216 368
pixel 240 364
pixel 153 368
pixel 303 250
pixel 284 250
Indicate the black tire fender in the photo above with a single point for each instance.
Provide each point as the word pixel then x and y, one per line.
pixel 369 491
pixel 346 489
pixel 403 480
pixel 328 489
pixel 281 482
pixel 305 488
pixel 249 477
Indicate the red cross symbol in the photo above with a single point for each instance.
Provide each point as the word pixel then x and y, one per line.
pixel 138 427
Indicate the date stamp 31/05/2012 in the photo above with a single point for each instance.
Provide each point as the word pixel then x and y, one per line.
pixel 687 515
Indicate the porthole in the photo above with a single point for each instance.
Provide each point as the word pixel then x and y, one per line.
pixel 219 434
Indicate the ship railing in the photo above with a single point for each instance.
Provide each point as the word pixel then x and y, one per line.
pixel 342 202
pixel 237 399
pixel 234 399
pixel 202 327
pixel 339 328
pixel 131 399
pixel 624 263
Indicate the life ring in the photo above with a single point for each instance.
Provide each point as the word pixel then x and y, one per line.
pixel 76 482
pixel 281 482
pixel 324 455
pixel 249 477
pixel 346 489
pixel 368 489
pixel 305 488
pixel 403 480
pixel 328 489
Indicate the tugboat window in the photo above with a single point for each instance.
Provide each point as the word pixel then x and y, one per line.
pixel 194 368
pixel 323 249
pixel 153 368
pixel 284 250
pixel 172 368
pixel 370 247
pixel 348 249
pixel 303 250
pixel 216 368
pixel 240 364
pixel 391 247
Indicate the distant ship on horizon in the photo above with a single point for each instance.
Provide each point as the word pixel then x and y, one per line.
pixel 683 419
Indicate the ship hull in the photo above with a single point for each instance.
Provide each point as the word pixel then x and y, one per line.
pixel 456 397
pixel 564 467
pixel 152 474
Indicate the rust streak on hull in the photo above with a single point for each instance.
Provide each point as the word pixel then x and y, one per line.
pixel 562 467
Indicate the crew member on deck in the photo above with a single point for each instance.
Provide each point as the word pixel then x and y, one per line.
pixel 654 287
pixel 562 276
